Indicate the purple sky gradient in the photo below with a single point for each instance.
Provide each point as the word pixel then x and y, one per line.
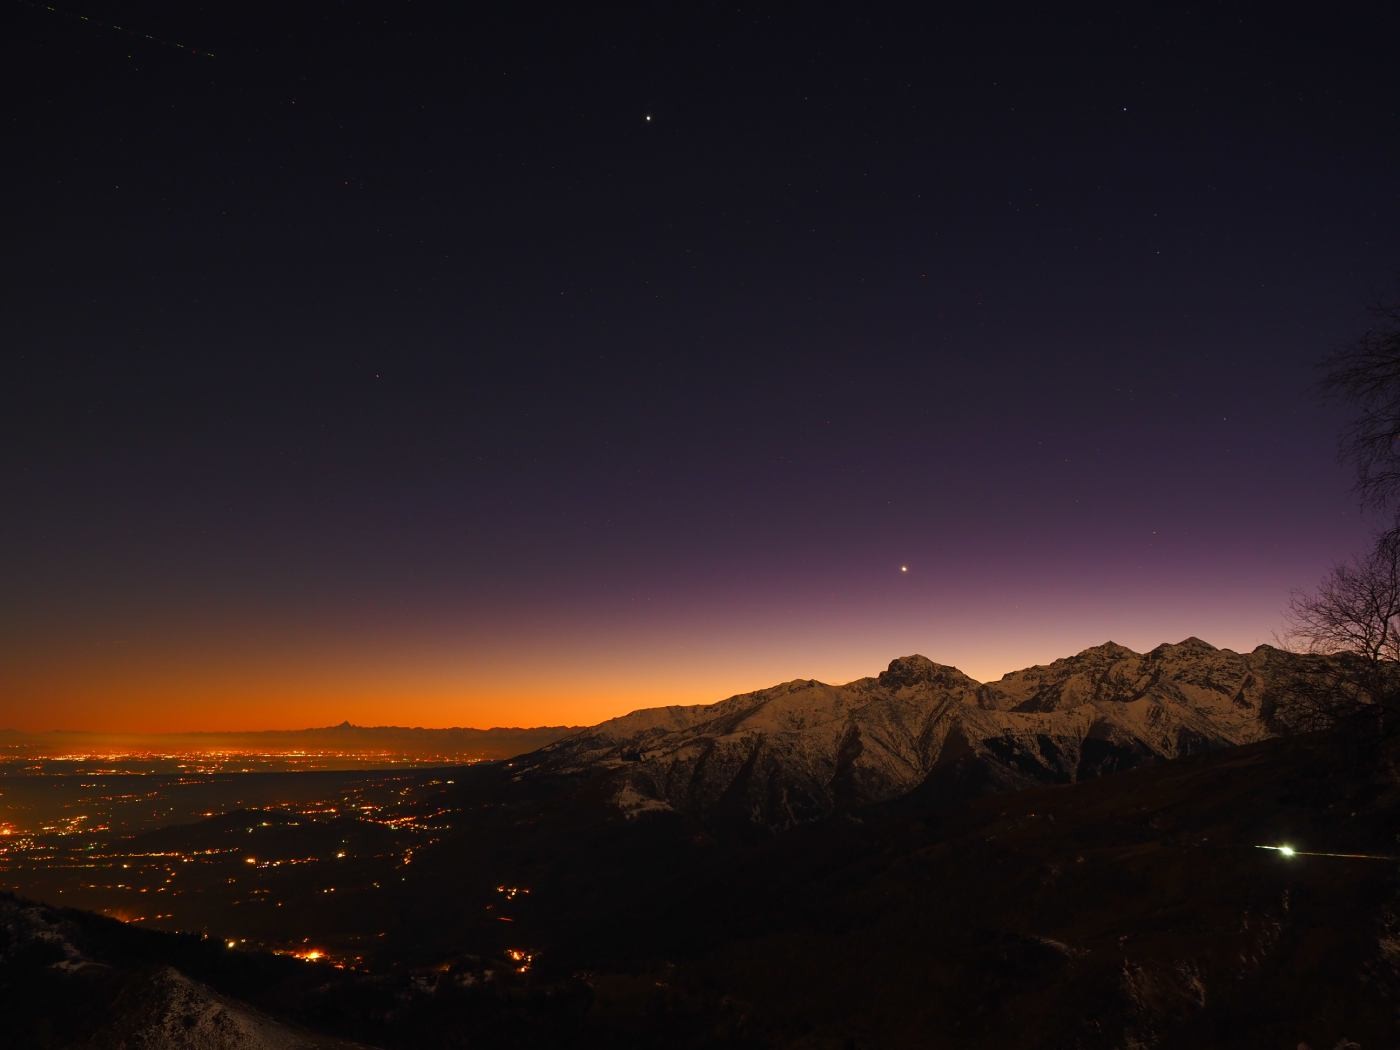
pixel 384 369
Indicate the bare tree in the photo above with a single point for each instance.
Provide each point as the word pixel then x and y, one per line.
pixel 1368 375
pixel 1354 618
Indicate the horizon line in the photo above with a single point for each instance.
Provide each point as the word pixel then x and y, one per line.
pixel 346 724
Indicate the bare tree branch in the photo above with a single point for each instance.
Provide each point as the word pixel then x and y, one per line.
pixel 1354 618
pixel 1368 375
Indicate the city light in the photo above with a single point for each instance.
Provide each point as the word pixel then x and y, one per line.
pixel 233 851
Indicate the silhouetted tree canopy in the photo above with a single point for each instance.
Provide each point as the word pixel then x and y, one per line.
pixel 1354 617
pixel 1368 375
pixel 1354 614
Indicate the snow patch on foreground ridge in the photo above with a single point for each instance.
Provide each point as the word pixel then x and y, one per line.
pixel 194 1016
pixel 633 803
pixel 162 1010
pixel 801 749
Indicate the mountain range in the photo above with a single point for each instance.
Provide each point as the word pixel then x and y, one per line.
pixel 804 749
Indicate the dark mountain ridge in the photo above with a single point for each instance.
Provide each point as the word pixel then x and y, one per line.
pixel 1131 910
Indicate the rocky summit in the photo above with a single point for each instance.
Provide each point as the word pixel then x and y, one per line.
pixel 804 749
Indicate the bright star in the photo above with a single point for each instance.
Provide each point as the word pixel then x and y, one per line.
pixel 904 568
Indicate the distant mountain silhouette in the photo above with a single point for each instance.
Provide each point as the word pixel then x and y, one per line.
pixel 495 743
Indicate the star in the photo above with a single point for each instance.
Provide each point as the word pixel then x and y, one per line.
pixel 647 118
pixel 904 568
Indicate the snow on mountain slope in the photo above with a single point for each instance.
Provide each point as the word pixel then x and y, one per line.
pixel 143 1005
pixel 802 749
pixel 172 1011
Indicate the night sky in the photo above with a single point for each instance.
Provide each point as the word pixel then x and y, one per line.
pixel 488 364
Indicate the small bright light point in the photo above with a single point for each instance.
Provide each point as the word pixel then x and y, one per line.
pixel 904 568
pixel 1287 851
pixel 647 118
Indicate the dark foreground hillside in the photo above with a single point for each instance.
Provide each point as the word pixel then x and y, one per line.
pixel 1129 911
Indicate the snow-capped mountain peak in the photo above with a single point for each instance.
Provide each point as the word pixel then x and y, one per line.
pixel 804 748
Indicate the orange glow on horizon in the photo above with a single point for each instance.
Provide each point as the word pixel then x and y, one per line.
pixel 163 699
pixel 194 692
pixel 227 707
